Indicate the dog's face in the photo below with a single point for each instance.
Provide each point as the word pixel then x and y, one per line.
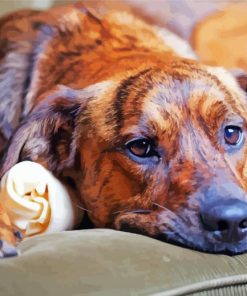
pixel 157 149
pixel 165 155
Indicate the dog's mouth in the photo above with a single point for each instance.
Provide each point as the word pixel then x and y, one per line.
pixel 174 230
pixel 230 249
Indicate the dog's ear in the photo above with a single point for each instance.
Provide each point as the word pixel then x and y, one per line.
pixel 46 135
pixel 233 78
pixel 51 133
pixel 241 77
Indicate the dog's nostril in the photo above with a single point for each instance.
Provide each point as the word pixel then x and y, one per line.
pixel 243 224
pixel 227 221
pixel 222 225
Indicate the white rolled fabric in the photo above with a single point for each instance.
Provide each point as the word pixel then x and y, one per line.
pixel 37 202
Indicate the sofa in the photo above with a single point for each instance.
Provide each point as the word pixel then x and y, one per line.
pixel 114 263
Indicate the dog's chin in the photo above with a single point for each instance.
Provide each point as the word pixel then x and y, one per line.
pixel 202 244
pixel 202 241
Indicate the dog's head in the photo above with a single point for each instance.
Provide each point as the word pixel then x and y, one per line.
pixel 158 149
pixel 165 155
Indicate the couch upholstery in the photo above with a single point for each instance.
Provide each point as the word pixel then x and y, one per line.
pixel 108 262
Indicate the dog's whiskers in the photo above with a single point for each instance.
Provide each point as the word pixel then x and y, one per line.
pixel 142 211
pixel 164 208
pixel 81 208
pixel 181 219
pixel 139 211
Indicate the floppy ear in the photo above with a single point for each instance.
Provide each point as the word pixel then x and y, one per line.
pixel 231 77
pixel 241 77
pixel 48 134
pixel 51 133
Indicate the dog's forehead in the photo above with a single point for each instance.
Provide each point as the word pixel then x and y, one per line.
pixel 168 100
pixel 153 101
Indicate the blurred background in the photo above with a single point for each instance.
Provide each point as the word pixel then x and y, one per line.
pixel 180 15
pixel 10 5
pixel 217 29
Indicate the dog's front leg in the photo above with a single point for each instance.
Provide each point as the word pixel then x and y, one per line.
pixel 9 237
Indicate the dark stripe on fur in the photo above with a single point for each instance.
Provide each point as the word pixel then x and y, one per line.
pixel 121 97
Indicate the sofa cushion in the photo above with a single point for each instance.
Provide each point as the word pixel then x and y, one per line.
pixel 108 262
pixel 230 27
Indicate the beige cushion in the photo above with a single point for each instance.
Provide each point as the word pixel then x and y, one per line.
pixel 107 262
pixel 220 38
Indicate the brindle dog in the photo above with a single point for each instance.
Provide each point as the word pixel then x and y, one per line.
pixel 153 142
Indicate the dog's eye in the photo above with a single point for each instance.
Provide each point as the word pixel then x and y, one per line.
pixel 232 134
pixel 141 147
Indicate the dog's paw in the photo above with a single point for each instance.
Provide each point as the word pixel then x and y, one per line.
pixel 7 250
pixel 9 237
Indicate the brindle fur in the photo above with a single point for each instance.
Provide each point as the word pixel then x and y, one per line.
pixel 75 87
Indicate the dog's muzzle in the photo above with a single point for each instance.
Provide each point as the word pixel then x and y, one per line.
pixel 226 219
pixel 224 213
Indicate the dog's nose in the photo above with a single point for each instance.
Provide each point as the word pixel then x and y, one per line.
pixel 227 219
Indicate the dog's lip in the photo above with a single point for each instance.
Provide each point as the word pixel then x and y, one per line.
pixel 140 211
pixel 206 247
pixel 222 236
pixel 126 227
pixel 178 240
pixel 179 237
pixel 201 242
pixel 178 234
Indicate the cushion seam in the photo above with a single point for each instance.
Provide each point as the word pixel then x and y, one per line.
pixel 205 285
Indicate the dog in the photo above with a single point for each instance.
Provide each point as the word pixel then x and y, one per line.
pixel 153 142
